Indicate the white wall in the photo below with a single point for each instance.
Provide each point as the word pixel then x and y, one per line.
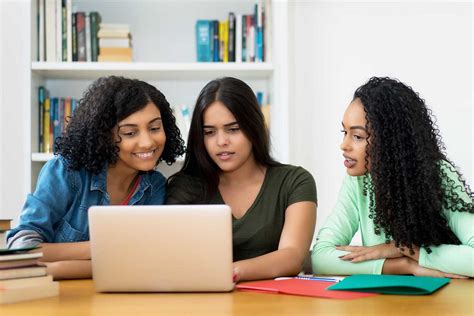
pixel 338 45
pixel 14 81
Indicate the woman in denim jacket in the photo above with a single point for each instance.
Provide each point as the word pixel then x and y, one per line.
pixel 120 131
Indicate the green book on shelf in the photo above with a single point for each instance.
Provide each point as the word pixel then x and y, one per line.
pixel 390 284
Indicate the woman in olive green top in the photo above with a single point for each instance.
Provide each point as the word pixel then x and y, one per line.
pixel 228 161
pixel 413 208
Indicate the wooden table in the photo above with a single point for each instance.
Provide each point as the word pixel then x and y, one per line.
pixel 79 298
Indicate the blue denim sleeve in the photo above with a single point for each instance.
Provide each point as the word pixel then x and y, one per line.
pixel 158 193
pixel 50 201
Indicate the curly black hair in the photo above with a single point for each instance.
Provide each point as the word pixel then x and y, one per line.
pixel 88 140
pixel 409 185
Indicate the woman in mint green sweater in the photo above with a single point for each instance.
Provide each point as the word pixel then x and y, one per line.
pixel 414 209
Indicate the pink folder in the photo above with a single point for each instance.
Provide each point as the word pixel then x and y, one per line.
pixel 300 287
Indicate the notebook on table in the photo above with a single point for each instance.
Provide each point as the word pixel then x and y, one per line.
pixel 390 284
pixel 303 287
pixel 172 248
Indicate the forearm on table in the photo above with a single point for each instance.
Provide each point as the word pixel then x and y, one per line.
pixel 70 269
pixel 65 251
pixel 326 259
pixel 283 262
pixel 402 265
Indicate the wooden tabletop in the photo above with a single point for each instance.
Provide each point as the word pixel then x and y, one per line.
pixel 79 298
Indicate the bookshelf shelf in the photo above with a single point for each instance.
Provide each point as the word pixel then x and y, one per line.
pixel 153 71
pixel 41 157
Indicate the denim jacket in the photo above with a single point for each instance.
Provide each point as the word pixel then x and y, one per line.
pixel 57 210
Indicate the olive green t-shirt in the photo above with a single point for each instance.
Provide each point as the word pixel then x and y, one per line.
pixel 258 231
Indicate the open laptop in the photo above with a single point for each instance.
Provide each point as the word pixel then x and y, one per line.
pixel 172 248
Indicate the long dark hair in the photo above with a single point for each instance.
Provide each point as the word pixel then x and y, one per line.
pixel 241 101
pixel 88 140
pixel 409 185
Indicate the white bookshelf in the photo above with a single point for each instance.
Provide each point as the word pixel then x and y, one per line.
pixel 153 71
pixel 41 157
pixel 163 39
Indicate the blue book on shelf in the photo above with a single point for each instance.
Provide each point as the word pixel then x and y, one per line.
pixel 41 98
pixel 73 106
pixel 215 38
pixel 259 95
pixel 203 40
pixel 258 33
pixel 55 115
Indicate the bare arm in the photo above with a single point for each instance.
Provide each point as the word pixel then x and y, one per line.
pixel 65 251
pixel 298 230
pixel 70 269
pixel 406 265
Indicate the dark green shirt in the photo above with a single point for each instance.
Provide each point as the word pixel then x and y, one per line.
pixel 258 231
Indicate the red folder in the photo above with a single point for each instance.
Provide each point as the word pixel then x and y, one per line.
pixel 300 287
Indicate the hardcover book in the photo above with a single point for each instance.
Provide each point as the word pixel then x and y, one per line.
pixel 81 36
pixel 203 40
pixel 24 272
pixel 19 294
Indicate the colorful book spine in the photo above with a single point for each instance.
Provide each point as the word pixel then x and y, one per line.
pixel 55 105
pixel 41 31
pixel 41 99
pixel 61 115
pixel 59 34
pixel 244 37
pixel 63 31
pixel 74 36
pixel 221 41
pixel 69 29
pixel 88 38
pixel 226 42
pixel 231 37
pixel 95 21
pixel 203 40
pixel 81 36
pixel 46 126
pixel 250 39
pixel 50 27
pixel 67 112
pixel 216 45
pixel 238 38
pixel 258 33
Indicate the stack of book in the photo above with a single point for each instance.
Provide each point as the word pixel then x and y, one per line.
pixel 22 279
pixel 114 42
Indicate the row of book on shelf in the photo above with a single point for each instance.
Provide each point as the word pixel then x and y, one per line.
pixel 240 38
pixel 55 112
pixel 67 35
pixel 21 277
pixel 53 115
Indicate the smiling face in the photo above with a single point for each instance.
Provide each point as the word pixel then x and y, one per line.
pixel 355 139
pixel 225 142
pixel 141 139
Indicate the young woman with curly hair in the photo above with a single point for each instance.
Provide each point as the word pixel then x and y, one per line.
pixel 414 209
pixel 118 134
pixel 228 162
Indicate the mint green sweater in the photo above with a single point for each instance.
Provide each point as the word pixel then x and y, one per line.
pixel 352 212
